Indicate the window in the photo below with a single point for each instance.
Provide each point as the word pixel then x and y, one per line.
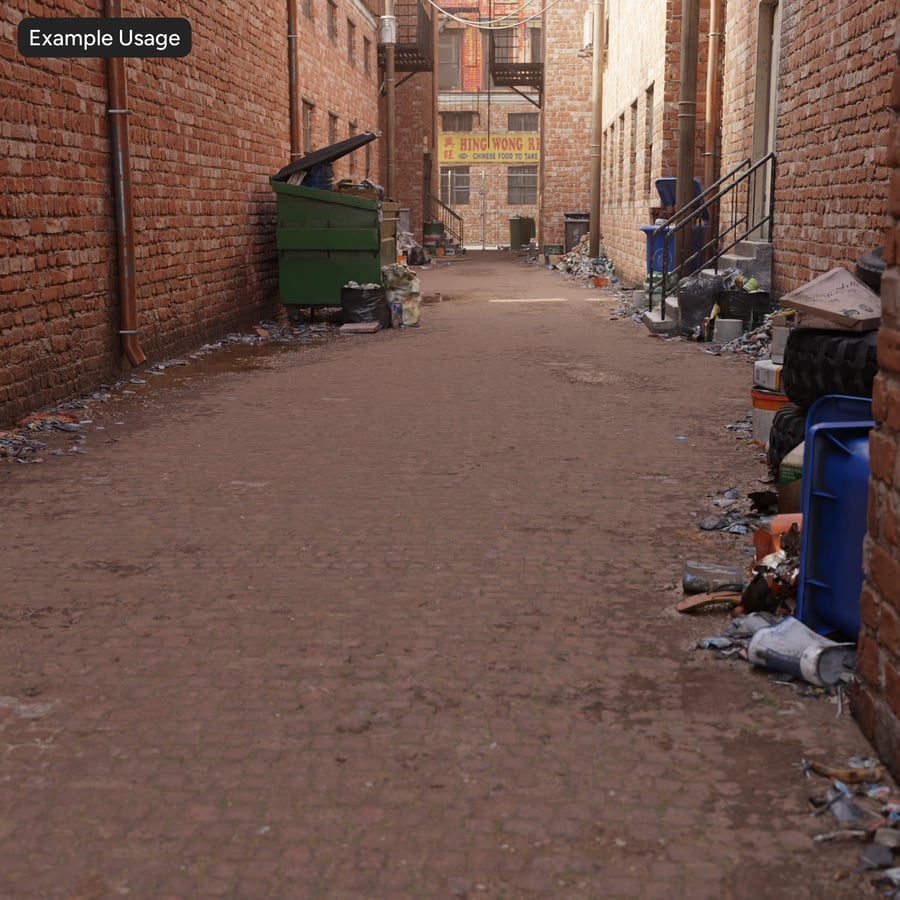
pixel 307 9
pixel 521 185
pixel 332 128
pixel 308 126
pixel 332 20
pixel 522 122
pixel 455 185
pixel 352 128
pixel 457 121
pixel 632 170
pixel 449 44
pixel 367 52
pixel 501 53
pixel 535 50
pixel 351 43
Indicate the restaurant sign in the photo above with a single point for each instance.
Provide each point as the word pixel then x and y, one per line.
pixel 467 147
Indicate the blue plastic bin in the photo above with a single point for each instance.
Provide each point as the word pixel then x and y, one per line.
pixel 656 246
pixel 834 499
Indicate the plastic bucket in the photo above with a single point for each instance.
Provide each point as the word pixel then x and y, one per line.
pixel 765 405
pixel 432 234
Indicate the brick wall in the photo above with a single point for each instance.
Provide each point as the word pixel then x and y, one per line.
pixel 833 114
pixel 416 120
pixel 566 118
pixel 206 132
pixel 876 703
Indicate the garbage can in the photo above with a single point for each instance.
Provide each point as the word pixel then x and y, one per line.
pixel 661 248
pixel 576 225
pixel 324 238
pixel 432 236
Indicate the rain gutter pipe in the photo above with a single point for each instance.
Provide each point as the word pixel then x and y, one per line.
pixel 599 51
pixel 123 199
pixel 687 122
pixel 294 78
pixel 713 109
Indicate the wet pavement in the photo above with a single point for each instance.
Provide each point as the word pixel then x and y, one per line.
pixel 393 616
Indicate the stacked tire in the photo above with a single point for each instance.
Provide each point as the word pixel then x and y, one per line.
pixel 823 361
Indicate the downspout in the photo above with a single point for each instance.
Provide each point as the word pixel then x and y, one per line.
pixel 599 42
pixel 294 79
pixel 123 199
pixel 687 121
pixel 713 111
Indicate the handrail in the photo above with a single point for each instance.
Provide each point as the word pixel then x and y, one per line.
pixel 449 218
pixel 744 216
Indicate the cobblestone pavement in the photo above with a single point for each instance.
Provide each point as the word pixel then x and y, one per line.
pixel 393 617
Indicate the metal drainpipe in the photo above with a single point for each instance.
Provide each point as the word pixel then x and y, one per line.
pixel 687 121
pixel 713 109
pixel 123 199
pixel 599 41
pixel 294 79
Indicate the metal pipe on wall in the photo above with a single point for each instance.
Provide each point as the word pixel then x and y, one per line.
pixel 713 108
pixel 596 125
pixel 389 39
pixel 293 14
pixel 687 121
pixel 123 201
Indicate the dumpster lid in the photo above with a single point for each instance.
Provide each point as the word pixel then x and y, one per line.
pixel 326 154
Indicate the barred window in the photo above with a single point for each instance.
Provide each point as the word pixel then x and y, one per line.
pixel 455 185
pixel 521 185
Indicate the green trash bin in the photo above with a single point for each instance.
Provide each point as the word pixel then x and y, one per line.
pixel 326 238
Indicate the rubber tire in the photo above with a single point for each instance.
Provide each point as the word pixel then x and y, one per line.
pixel 818 362
pixel 788 430
pixel 870 267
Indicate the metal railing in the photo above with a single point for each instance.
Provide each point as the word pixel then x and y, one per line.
pixel 733 209
pixel 451 220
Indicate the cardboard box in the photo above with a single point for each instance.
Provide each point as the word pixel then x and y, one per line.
pixel 839 298
pixel 790 481
pixel 767 374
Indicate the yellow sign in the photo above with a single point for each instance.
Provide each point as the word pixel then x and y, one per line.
pixel 468 147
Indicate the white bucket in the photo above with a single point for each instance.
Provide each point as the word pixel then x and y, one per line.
pixel 726 330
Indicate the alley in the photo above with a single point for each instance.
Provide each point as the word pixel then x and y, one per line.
pixel 393 618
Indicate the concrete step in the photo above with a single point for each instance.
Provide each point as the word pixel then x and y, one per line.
pixel 658 325
pixel 750 258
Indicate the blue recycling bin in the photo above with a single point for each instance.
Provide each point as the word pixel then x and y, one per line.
pixel 661 248
pixel 834 498
pixel 660 257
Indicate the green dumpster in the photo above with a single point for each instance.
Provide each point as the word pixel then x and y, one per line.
pixel 326 238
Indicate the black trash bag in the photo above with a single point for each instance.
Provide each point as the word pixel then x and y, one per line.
pixel 697 295
pixel 416 256
pixel 365 303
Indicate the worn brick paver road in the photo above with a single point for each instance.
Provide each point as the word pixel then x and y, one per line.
pixel 393 618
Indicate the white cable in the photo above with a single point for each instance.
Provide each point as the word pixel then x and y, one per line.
pixel 491 25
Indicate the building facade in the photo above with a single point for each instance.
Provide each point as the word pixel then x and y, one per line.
pixel 488 144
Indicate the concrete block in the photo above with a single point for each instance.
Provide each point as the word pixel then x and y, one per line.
pixel 658 325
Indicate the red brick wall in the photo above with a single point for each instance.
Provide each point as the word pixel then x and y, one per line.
pixel 877 700
pixel 566 118
pixel 415 171
pixel 833 115
pixel 206 132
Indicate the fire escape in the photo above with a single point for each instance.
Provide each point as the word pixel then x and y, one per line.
pixel 508 70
